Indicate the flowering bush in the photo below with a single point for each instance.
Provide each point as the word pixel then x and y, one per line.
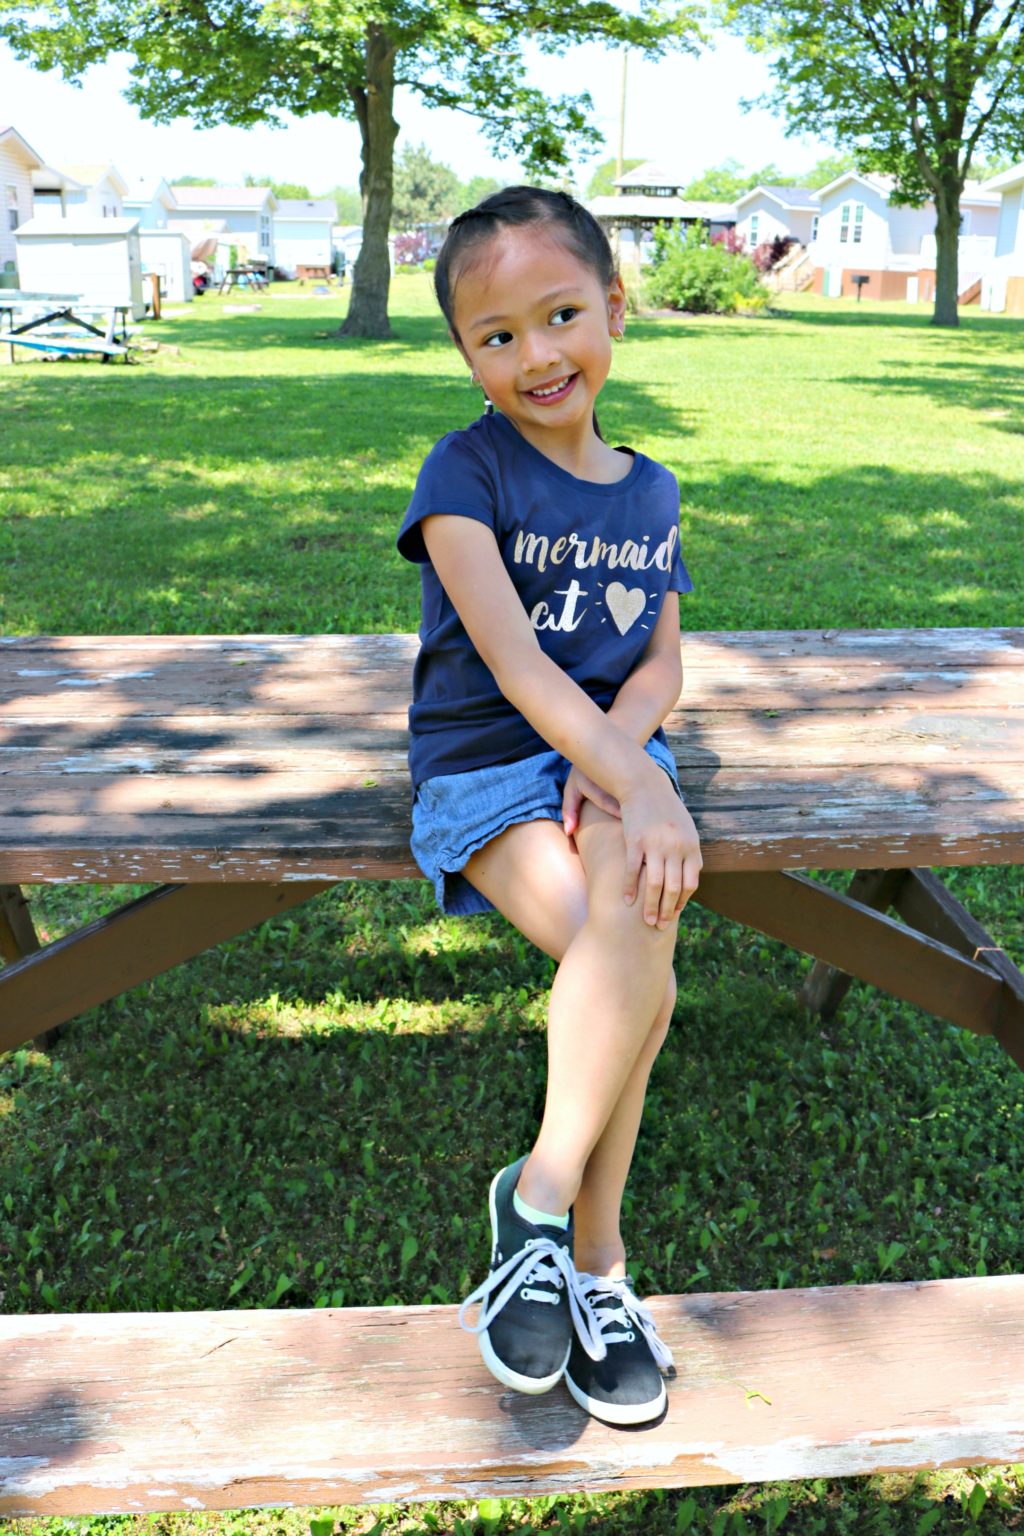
pixel 770 252
pixel 692 273
pixel 411 247
pixel 730 241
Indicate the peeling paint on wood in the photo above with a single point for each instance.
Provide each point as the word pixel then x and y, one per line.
pixel 858 1379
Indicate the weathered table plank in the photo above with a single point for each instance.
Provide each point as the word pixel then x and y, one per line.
pixel 162 758
pixel 225 1410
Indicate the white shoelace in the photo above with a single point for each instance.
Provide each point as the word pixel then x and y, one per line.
pixel 630 1314
pixel 540 1259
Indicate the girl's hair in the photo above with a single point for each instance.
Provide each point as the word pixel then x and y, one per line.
pixel 577 229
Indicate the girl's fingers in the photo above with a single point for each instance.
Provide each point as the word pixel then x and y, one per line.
pixel 652 888
pixel 631 873
pixel 671 892
pixel 571 801
pixel 691 876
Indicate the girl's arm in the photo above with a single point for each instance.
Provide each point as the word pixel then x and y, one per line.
pixel 650 691
pixel 658 831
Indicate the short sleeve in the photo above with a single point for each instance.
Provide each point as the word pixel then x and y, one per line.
pixel 454 478
pixel 679 577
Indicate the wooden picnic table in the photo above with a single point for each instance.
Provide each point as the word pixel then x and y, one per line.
pixel 244 774
pixel 242 277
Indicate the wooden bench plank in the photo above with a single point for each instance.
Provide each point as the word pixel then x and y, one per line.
pixel 133 1412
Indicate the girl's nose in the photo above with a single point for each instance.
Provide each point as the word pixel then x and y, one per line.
pixel 538 352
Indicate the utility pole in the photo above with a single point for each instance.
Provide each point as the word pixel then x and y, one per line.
pixel 621 150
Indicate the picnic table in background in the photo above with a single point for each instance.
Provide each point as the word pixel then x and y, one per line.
pixel 243 277
pixel 64 324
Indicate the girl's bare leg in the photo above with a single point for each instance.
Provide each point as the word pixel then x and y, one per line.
pixel 611 1006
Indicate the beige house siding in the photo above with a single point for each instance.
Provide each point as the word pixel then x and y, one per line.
pixel 14 172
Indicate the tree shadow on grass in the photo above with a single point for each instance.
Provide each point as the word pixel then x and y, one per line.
pixel 995 391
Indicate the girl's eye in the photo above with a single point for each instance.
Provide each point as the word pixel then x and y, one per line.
pixel 567 311
pixel 498 339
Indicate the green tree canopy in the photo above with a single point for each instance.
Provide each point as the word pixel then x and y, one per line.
pixel 918 88
pixel 722 183
pixel 826 170
pixel 425 190
pixel 349 204
pixel 248 61
pixel 293 189
pixel 194 181
pixel 479 187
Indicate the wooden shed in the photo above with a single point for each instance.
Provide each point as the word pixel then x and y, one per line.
pixel 99 259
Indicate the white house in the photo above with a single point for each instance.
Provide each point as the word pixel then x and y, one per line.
pixel 98 193
pixel 26 185
pixel 302 233
pixel 861 233
pixel 247 214
pixel 1003 287
pixel 771 213
pixel 151 201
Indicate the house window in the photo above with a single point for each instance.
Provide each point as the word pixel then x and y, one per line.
pixel 814 227
pixel 12 208
pixel 754 221
pixel 858 223
pixel 264 232
pixel 844 225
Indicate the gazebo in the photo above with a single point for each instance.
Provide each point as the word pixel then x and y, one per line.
pixel 652 195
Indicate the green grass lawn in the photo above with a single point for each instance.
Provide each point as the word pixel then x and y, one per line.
pixel 310 1114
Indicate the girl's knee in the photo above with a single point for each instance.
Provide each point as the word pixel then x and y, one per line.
pixel 663 1020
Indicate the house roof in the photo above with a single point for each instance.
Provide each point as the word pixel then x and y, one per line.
pixel 800 198
pixel 76 225
pixel 222 197
pixel 638 206
pixel 23 144
pixel 89 174
pixel 974 191
pixel 1006 179
pixel 653 174
pixel 143 191
pixel 311 208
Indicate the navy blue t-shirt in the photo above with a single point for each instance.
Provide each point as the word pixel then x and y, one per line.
pixel 591 563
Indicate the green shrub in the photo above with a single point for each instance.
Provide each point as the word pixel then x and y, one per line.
pixel 689 272
pixel 429 264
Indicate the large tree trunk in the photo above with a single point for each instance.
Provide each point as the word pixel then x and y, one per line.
pixel 368 306
pixel 947 240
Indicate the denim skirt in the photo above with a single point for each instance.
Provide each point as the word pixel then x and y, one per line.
pixel 454 814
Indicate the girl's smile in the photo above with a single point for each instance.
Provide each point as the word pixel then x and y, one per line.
pixel 534 323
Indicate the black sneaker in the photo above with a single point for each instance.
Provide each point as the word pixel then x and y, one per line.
pixel 626 1386
pixel 528 1303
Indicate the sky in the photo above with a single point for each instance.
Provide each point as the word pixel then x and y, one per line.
pixel 682 111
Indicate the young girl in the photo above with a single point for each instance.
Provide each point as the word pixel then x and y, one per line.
pixel 543 785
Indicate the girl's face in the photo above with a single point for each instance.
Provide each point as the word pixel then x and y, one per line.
pixel 535 325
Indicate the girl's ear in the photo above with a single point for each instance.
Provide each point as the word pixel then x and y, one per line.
pixel 616 306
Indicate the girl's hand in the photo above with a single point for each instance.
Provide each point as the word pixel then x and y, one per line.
pixel 662 840
pixel 577 789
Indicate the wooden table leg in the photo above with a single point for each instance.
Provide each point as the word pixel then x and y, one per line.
pixel 131 945
pixel 18 938
pixel 947 965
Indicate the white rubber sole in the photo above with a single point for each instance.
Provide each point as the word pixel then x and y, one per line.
pixel 534 1385
pixel 617 1413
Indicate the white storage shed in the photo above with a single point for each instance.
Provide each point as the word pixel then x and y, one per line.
pixel 168 252
pixel 99 259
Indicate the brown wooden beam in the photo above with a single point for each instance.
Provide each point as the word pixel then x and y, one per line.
pixel 825 987
pixel 129 946
pixel 873 947
pixel 17 932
